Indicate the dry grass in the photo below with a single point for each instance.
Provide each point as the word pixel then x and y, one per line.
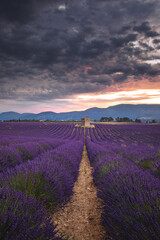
pixel 91 126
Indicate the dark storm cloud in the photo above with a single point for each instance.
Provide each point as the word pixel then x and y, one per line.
pixel 17 10
pixel 146 46
pixel 146 29
pixel 86 49
pixel 59 48
pixel 156 41
pixel 146 69
pixel 120 41
pixel 21 11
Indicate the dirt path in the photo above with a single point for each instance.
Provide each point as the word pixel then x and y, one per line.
pixel 81 217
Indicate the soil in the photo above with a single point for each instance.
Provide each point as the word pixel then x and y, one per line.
pixel 80 219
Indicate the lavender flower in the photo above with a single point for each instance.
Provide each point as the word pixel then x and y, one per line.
pixel 23 217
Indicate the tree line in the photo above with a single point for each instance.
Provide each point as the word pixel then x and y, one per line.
pixel 123 119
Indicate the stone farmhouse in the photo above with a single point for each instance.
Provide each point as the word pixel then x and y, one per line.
pixel 85 122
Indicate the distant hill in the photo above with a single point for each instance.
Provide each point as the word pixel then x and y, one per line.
pixel 141 111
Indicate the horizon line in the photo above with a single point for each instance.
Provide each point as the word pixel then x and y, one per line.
pixel 84 109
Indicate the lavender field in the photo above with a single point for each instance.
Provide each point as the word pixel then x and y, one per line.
pixel 39 164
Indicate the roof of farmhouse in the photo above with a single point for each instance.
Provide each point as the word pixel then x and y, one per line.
pixel 85 118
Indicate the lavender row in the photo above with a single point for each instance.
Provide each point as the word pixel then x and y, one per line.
pixel 15 154
pixel 40 129
pixel 130 133
pixel 50 176
pixel 48 180
pixel 145 154
pixel 130 195
pixel 6 140
pixel 24 218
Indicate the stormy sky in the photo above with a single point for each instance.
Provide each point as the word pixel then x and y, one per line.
pixel 69 55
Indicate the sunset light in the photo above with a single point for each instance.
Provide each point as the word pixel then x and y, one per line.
pixel 142 95
pixel 155 61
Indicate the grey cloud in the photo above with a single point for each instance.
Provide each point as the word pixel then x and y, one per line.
pixel 146 29
pixel 52 46
pixel 145 69
pixel 156 41
pixel 146 46
pixel 119 42
pixel 22 11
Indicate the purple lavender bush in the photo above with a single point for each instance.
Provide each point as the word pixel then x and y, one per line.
pixel 138 143
pixel 23 217
pixel 9 157
pixel 130 195
pixel 37 129
pixel 50 177
pixel 14 154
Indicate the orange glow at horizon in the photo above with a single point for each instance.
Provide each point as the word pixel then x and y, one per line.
pixel 131 92
pixel 141 93
pixel 84 101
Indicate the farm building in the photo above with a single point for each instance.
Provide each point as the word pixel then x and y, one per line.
pixel 85 121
